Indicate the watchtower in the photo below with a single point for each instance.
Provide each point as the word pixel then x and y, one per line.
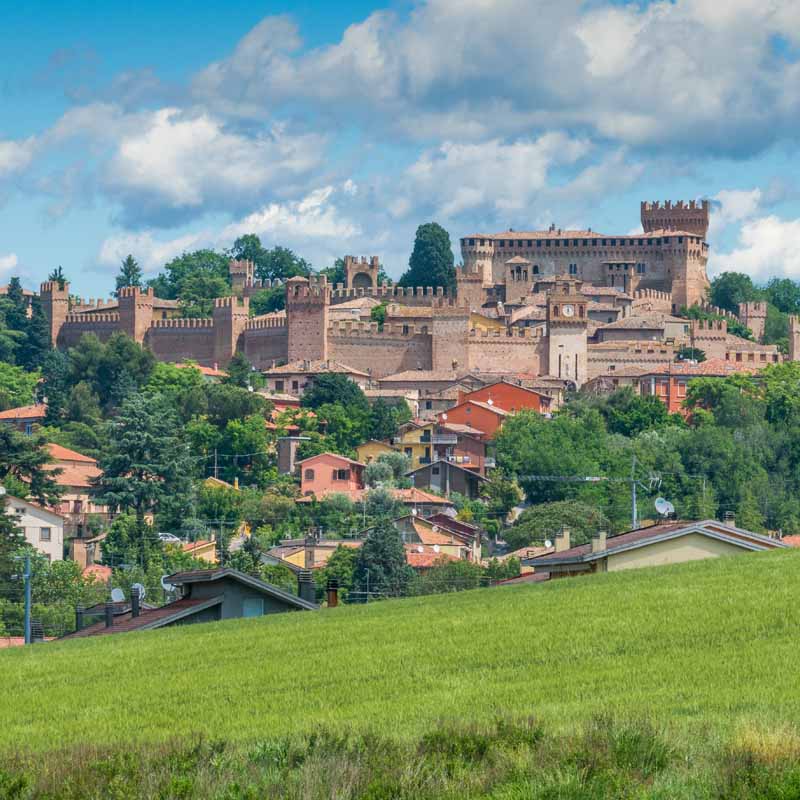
pixel 754 316
pixel 242 274
pixel 230 319
pixel 307 304
pixel 55 304
pixel 710 336
pixel 794 338
pixel 361 274
pixel 135 311
pixel 450 336
pixel 567 323
pixel 680 216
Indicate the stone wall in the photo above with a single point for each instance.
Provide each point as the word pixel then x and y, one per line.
pixel 102 325
pixel 177 340
pixel 265 342
pixel 492 351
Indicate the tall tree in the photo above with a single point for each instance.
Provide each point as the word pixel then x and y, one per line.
pixel 431 262
pixel 24 460
pixel 17 386
pixel 381 567
pixel 147 463
pixel 130 273
pixel 730 289
pixel 334 387
pixel 57 274
pixel 36 344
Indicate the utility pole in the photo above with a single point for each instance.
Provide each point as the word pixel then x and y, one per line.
pixel 216 471
pixel 26 576
pixel 634 521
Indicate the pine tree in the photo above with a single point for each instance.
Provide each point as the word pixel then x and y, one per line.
pixel 381 567
pixel 431 262
pixel 36 344
pixel 130 274
pixel 57 274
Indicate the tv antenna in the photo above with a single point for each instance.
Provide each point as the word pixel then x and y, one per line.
pixel 664 507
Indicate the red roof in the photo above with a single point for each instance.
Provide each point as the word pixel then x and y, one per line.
pixel 25 412
pixel 210 372
pixel 792 541
pixel 60 453
pixel 713 368
pixel 98 572
pixel 426 560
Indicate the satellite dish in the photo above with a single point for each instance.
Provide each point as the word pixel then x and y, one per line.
pixel 663 506
pixel 420 548
pixel 444 416
pixel 414 512
pixel 167 587
pixel 435 529
pixel 490 402
pixel 118 596
pixel 436 548
pixel 548 543
pixel 142 591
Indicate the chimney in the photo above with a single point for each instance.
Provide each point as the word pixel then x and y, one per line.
pixel 599 542
pixel 729 518
pixel 333 593
pixel 78 618
pixel 135 603
pixel 305 586
pixel 562 540
pixel 109 615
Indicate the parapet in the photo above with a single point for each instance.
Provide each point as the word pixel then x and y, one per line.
pixel 387 291
pixel 711 327
pixel 241 304
pixel 184 322
pixel 313 289
pixel 261 323
pixel 754 309
pixel 391 330
pixel 102 318
pixel 515 335
pixel 54 288
pixel 135 291
pixel 679 205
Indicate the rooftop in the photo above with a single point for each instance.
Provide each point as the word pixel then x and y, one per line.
pixel 314 367
pixel 37 411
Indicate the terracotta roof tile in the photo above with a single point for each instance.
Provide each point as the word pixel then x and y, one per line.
pixel 25 412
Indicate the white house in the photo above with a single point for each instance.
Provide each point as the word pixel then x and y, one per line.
pixel 43 529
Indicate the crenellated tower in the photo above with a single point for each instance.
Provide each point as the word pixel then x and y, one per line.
pixel 242 274
pixel 55 304
pixel 135 311
pixel 680 216
pixel 754 316
pixel 230 317
pixel 307 304
pixel 361 274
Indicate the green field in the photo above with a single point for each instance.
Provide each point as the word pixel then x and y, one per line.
pixel 703 652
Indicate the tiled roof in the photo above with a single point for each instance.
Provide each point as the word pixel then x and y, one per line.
pixel 74 475
pixel 650 322
pixel 457 525
pixel 530 577
pixel 407 496
pixel 737 343
pixel 467 430
pixel 60 453
pixel 715 367
pixel 209 372
pixel 147 618
pixel 792 541
pixel 333 455
pixel 314 368
pixel 418 560
pixel 422 375
pixel 25 412
pixel 98 572
pixel 399 311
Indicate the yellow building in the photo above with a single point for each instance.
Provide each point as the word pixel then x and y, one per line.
pixel 415 439
pixel 371 449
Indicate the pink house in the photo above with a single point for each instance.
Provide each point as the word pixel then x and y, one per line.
pixel 329 473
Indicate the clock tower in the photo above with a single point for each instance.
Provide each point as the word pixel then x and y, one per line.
pixel 566 331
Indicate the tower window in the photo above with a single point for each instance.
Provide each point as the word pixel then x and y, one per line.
pixel 535 269
pixel 573 269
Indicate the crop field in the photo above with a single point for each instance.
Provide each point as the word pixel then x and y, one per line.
pixel 701 653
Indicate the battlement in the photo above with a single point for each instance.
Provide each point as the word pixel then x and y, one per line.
pixel 87 305
pixel 754 309
pixel 722 312
pixel 241 304
pixel 101 318
pixel 259 323
pixel 509 335
pixel 184 322
pixel 353 261
pixel 135 291
pixel 710 327
pixel 388 291
pixel 688 216
pixel 652 294
pixel 241 267
pixel 54 288
pixel 391 330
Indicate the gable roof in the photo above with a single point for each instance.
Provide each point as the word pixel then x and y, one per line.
pixel 11 500
pixel 333 455
pixel 449 465
pixel 60 453
pixel 313 368
pixel 501 412
pixel 641 537
pixel 37 411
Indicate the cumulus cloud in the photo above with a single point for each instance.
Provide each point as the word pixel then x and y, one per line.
pixel 15 156
pixel 7 263
pixel 694 74
pixel 768 246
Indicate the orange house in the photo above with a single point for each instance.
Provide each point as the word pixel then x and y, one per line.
pixel 485 417
pixel 329 473
pixel 509 397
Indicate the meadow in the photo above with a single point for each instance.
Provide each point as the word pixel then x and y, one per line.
pixel 687 662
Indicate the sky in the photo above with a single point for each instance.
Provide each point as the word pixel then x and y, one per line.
pixel 154 128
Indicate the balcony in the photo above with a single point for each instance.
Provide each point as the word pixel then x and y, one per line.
pixel 445 438
pixel 425 460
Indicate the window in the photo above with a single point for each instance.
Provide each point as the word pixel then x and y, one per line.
pixel 538 242
pixel 341 474
pixel 558 243
pixel 472 243
pixel 405 330
pixel 594 242
pixel 278 386
pixel 295 386
pixel 407 451
pixel 483 242
pixel 428 405
pixel 45 535
pixel 680 240
pixel 640 268
pixel 253 607
pixel 308 475
pixel 573 269
pixel 434 470
pixel 28 428
pixel 547 243
pixel 535 269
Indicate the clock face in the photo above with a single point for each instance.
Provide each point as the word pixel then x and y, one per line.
pixel 568 311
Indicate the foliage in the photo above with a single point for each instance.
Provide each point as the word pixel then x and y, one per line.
pixel 734 326
pixel 25 459
pixel 381 569
pixel 17 386
pixel 776 328
pixel 730 289
pixel 431 262
pixel 241 373
pixel 334 387
pixel 130 273
pixel 544 521
pixel 378 314
pixel 182 273
pixel 688 353
pixel 12 538
pixel 277 263
pixel 784 295
pixel 147 466
pixel 266 301
pixel 341 567
pixel 629 414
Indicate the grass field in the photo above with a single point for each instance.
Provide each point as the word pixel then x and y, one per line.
pixel 703 652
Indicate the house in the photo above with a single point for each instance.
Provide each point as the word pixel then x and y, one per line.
pixel 202 549
pixel 415 439
pixel 371 449
pixel 210 374
pixel 471 535
pixel 75 473
pixel 395 397
pixel 296 376
pixel 208 595
pixel 310 553
pixel 666 543
pixel 87 552
pixel 43 529
pixel 485 417
pixel 25 418
pixel 510 397
pixel 328 473
pixel 670 383
pixel 653 327
pixel 418 533
pixel 445 477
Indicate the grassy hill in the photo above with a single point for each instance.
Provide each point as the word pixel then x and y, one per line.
pixel 707 648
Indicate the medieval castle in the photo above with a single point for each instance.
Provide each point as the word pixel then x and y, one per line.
pixel 569 305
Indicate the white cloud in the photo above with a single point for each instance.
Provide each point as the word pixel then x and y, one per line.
pixel 732 205
pixel 7 263
pixel 768 246
pixel 15 156
pixel 150 252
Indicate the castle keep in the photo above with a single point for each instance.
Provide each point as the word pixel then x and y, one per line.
pixel 566 306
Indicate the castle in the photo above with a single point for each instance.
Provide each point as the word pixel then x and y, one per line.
pixel 566 305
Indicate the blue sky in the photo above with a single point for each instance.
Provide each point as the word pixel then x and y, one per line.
pixel 337 128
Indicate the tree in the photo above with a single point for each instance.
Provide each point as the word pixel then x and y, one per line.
pixel 381 568
pixel 281 263
pixel 378 314
pixel 57 274
pixel 25 460
pixel 784 294
pixel 12 539
pixel 335 387
pixel 36 344
pixel 688 353
pixel 17 386
pixel 197 293
pixel 776 328
pixel 449 576
pixel 267 301
pixel 730 289
pixel 545 521
pixel 178 278
pixel 431 262
pixel 242 374
pixel 382 420
pixel 629 414
pixel 147 462
pixel 340 567
pixel 130 274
